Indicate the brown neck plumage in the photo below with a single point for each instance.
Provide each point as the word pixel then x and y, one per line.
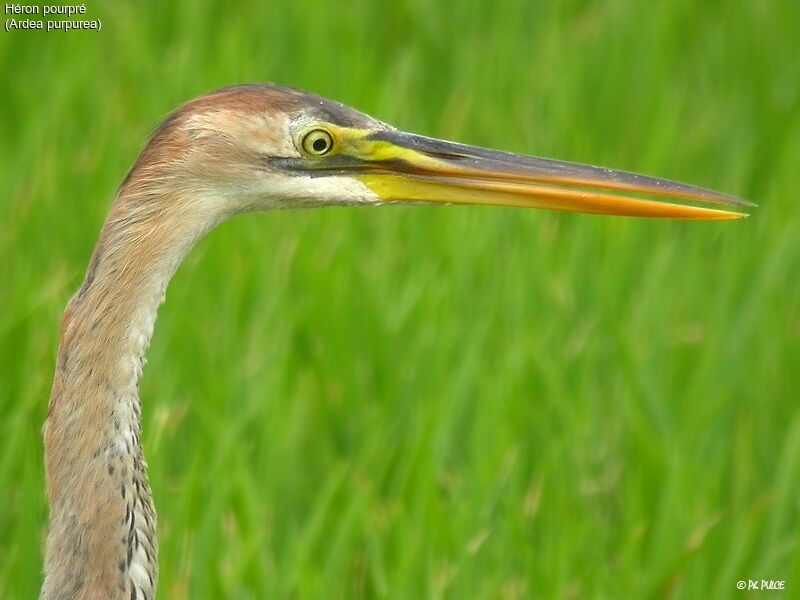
pixel 102 541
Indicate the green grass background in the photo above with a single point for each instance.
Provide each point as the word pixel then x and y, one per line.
pixel 436 402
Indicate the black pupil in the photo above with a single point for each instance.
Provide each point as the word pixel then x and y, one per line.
pixel 319 144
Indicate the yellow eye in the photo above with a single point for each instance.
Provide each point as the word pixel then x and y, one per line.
pixel 317 142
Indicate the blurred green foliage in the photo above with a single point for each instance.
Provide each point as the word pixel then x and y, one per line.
pixel 436 402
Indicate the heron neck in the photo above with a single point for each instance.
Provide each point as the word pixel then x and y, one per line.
pixel 102 538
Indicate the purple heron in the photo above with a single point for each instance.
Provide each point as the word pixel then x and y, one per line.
pixel 242 149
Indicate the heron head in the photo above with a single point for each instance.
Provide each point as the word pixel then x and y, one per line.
pixel 257 147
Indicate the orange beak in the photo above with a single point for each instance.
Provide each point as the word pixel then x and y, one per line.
pixel 402 167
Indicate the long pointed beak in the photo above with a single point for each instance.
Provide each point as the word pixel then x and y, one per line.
pixel 399 166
